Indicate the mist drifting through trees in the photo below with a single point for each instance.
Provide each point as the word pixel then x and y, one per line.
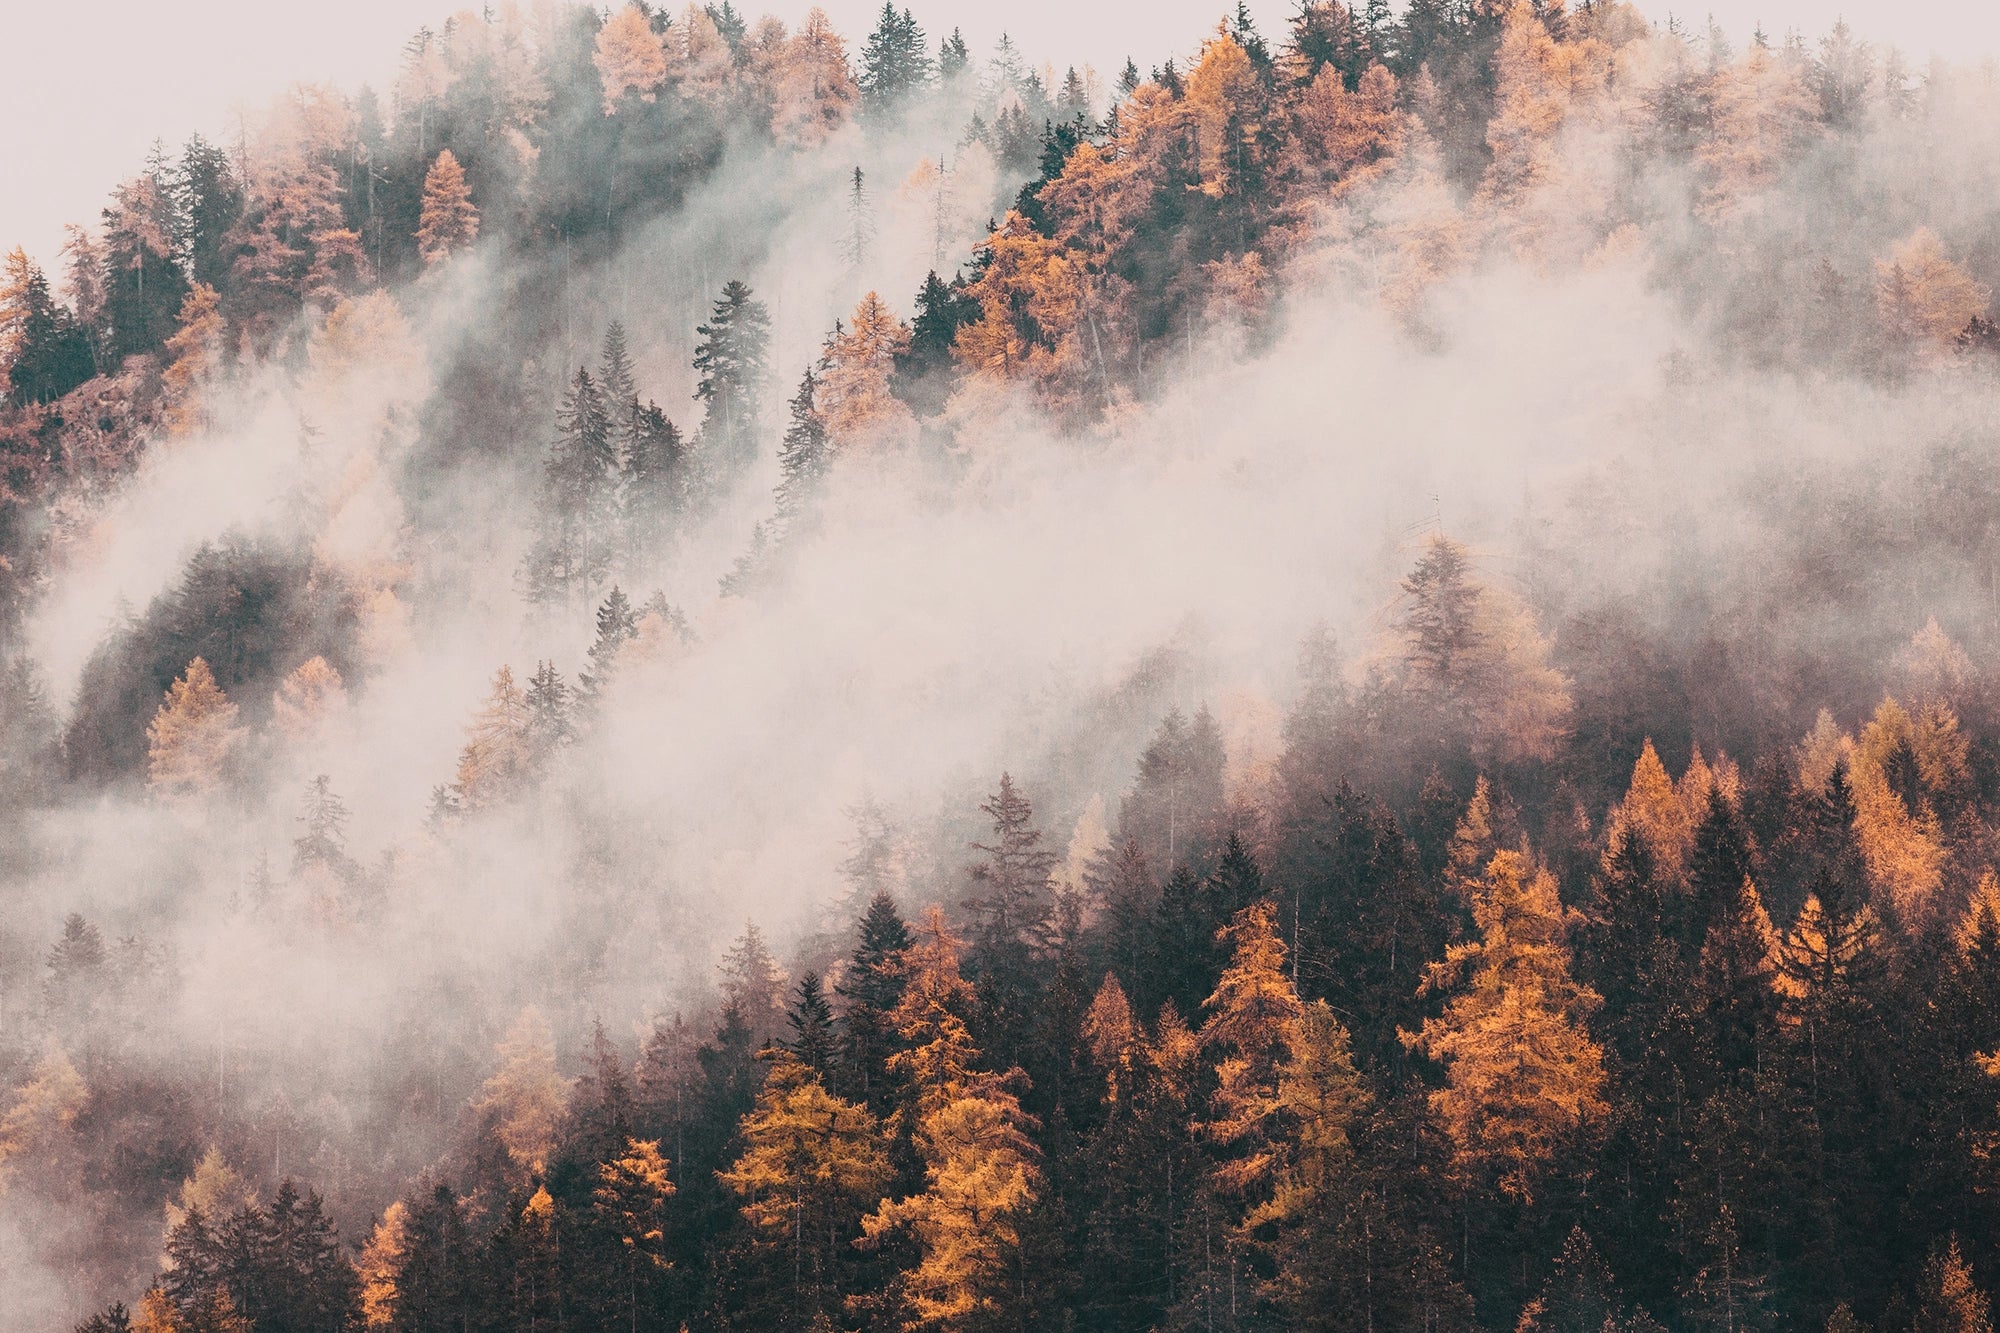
pixel 689 674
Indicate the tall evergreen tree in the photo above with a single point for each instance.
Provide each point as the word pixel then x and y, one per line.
pixel 730 361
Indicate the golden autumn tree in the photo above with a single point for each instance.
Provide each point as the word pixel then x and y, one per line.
pixel 1540 81
pixel 1897 770
pixel 43 1107
pixel 193 361
pixel 1522 1076
pixel 215 1188
pixel 1225 97
pixel 812 1165
pixel 853 394
pixel 630 1201
pixel 1250 1022
pixel 630 58
pixel 1762 112
pixel 980 1171
pixel 193 739
pixel 1925 298
pixel 1312 1175
pixel 497 755
pixel 448 222
pixel 813 92
pixel 1340 139
pixel 307 700
pixel 1030 302
pixel 381 1265
pixel 523 1101
pixel 1653 811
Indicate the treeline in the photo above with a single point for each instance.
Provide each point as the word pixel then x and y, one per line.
pixel 1156 214
pixel 1714 1055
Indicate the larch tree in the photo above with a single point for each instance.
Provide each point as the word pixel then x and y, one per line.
pixel 630 1202
pixel 448 223
pixel 630 60
pixel 496 757
pixel 380 1267
pixel 1522 1075
pixel 1948 1300
pixel 524 1100
pixel 308 701
pixel 812 1165
pixel 194 360
pixel 812 89
pixel 854 397
pixel 980 1166
pixel 193 739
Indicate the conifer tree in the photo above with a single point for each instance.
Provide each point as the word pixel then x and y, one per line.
pixel 550 722
pixel 616 627
pixel 895 60
pixel 1947 1299
pixel 730 363
pixel 654 483
pixel 810 1019
pixel 811 1166
pixel 754 984
pixel 980 1168
pixel 192 740
pixel 803 460
pixel 1522 1076
pixel 449 223
pixel 871 987
pixel 496 758
pixel 630 1202
pixel 573 550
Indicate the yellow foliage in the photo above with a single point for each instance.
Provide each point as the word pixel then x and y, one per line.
pixel 1031 304
pixel 193 738
pixel 809 1157
pixel 215 1188
pixel 447 222
pixel 631 1195
pixel 629 58
pixel 1979 928
pixel 194 358
pixel 854 397
pixel 1931 668
pixel 1251 1022
pixel 1223 92
pixel 379 1266
pixel 1653 809
pixel 980 1178
pixel 1924 297
pixel 496 756
pixel 1823 748
pixel 1762 112
pixel 1116 1042
pixel 1342 139
pixel 307 700
pixel 812 90
pixel 1540 81
pixel 1902 848
pixel 524 1099
pixel 1521 1073
pixel 43 1106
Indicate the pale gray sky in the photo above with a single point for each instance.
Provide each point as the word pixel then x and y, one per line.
pixel 87 89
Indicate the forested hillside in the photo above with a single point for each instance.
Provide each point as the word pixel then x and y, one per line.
pixel 684 673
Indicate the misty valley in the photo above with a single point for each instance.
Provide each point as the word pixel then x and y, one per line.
pixel 687 672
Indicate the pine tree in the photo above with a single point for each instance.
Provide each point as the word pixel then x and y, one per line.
pixel 572 553
pixel 803 460
pixel 730 361
pixel 895 60
pixel 449 223
pixel 954 57
pixel 871 987
pixel 550 721
pixel 810 1019
pixel 616 627
pixel 654 483
pixel 324 840
pixel 754 984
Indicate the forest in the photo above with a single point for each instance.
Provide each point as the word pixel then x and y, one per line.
pixel 686 673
